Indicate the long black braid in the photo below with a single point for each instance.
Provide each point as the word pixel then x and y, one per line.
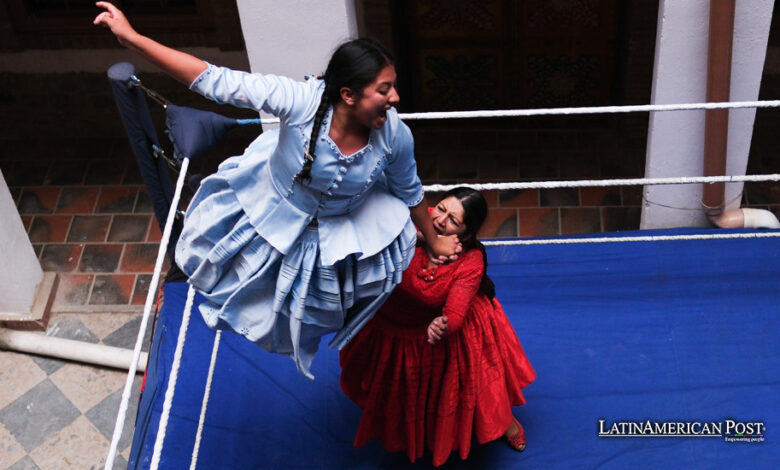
pixel 474 214
pixel 353 65
pixel 309 155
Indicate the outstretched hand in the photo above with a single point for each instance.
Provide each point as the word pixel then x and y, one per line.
pixel 115 20
pixel 437 329
pixel 444 249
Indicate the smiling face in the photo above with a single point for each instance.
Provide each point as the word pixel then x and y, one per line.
pixel 448 217
pixel 370 107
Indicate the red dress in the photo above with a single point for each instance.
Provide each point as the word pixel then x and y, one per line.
pixel 414 394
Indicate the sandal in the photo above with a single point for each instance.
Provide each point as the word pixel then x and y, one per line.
pixel 517 440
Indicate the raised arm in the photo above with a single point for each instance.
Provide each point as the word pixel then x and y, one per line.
pixel 401 172
pixel 179 65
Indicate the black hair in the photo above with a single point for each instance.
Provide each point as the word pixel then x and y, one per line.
pixel 474 214
pixel 354 65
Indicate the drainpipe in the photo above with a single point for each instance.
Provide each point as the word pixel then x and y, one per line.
pixel 716 125
pixel 79 351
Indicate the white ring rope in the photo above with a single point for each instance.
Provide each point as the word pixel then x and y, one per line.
pixel 161 251
pixel 604 183
pixel 172 378
pixel 205 403
pixel 576 110
pixel 588 110
pixel 618 239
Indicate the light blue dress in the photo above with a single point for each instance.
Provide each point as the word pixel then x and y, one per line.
pixel 284 262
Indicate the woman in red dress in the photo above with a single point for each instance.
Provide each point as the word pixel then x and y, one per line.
pixel 440 362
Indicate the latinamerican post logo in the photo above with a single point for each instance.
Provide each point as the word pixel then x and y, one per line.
pixel 729 430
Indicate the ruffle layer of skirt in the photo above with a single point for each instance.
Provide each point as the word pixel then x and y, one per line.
pixel 284 303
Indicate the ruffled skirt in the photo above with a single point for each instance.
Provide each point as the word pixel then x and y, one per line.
pixel 284 303
pixel 416 395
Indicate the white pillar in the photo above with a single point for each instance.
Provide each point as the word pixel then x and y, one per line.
pixel 295 38
pixel 675 141
pixel 20 272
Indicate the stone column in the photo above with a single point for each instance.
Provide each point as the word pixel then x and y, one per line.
pixel 675 141
pixel 24 294
pixel 296 37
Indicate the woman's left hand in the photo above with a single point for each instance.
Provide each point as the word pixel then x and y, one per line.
pixel 115 20
pixel 437 329
pixel 444 249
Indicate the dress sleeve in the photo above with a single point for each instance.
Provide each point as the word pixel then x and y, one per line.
pixel 279 96
pixel 468 277
pixel 401 170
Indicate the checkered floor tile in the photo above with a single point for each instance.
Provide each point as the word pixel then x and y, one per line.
pixel 56 414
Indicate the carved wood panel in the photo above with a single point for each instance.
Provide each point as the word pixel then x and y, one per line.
pixel 491 54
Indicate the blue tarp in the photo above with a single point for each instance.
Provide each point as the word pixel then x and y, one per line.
pixel 192 132
pixel 673 331
pixel 137 121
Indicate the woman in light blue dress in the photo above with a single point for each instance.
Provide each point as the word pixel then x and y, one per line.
pixel 308 231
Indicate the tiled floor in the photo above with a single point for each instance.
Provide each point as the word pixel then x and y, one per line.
pixel 60 415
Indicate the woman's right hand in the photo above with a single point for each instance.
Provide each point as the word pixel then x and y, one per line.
pixel 179 65
pixel 115 20
pixel 437 329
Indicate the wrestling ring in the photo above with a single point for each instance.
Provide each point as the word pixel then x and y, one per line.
pixel 653 326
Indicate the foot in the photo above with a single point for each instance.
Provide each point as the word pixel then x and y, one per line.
pixel 515 436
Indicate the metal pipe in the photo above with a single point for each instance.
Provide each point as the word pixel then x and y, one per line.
pixel 716 123
pixel 79 351
pixel 160 99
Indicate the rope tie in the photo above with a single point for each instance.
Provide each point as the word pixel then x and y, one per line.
pixel 576 110
pixel 172 378
pixel 605 183
pixel 205 403
pixel 161 252
pixel 645 238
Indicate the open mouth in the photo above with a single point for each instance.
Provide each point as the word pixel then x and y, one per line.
pixel 380 119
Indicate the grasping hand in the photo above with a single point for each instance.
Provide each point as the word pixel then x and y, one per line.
pixel 444 249
pixel 115 20
pixel 437 329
